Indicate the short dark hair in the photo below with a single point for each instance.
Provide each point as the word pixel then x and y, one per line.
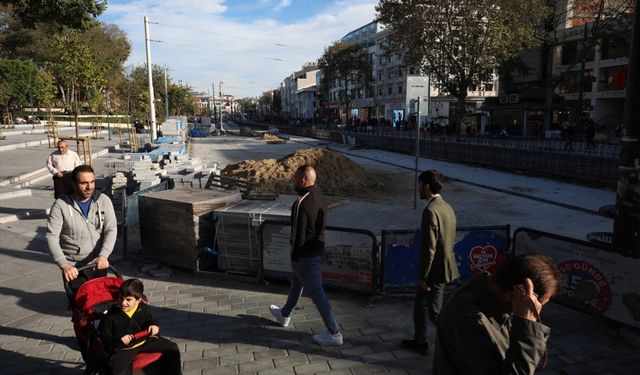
pixel 80 169
pixel 542 271
pixel 131 288
pixel 432 178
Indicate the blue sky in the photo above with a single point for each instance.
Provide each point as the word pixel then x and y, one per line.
pixel 249 45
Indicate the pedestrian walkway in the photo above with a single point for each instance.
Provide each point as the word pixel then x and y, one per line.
pixel 223 325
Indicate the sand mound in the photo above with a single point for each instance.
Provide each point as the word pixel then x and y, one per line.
pixel 337 175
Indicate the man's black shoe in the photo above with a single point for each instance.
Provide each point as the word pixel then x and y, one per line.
pixel 418 347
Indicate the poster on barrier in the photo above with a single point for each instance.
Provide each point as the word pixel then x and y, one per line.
pixel 476 250
pixel 597 281
pixel 347 263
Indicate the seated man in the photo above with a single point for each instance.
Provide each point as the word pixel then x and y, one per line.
pixel 128 317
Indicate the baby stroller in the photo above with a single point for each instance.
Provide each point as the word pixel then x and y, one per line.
pixel 88 305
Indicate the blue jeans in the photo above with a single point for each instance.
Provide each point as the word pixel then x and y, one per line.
pixel 306 275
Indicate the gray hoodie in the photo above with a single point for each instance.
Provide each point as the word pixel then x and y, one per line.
pixel 72 238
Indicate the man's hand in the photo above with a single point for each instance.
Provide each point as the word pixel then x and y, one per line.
pixel 102 262
pixel 59 174
pixel 153 330
pixel 525 302
pixel 126 339
pixel 424 286
pixel 69 272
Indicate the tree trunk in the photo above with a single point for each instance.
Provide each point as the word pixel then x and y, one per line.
pixel 549 89
pixel 583 61
pixel 461 111
pixel 626 226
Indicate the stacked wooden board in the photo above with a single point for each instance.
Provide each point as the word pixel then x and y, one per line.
pixel 176 224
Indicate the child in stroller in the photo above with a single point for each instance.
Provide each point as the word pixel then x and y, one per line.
pixel 90 305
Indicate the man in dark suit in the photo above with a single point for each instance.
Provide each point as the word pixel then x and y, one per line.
pixel 437 261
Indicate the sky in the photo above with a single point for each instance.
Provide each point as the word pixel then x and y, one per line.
pixel 251 46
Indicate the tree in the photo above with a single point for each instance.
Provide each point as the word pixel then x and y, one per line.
pixel 75 69
pixel 75 14
pixel 459 43
pixel 17 78
pixel 600 19
pixel 345 66
pixel 44 90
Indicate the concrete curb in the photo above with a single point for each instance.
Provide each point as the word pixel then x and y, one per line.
pixel 10 193
pixel 36 143
pixel 40 174
pixel 40 213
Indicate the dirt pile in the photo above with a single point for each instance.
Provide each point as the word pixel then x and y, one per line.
pixel 337 175
pixel 270 138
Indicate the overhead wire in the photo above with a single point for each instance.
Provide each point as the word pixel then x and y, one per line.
pixel 221 51
pixel 283 45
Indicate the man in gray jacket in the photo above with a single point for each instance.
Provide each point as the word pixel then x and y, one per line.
pixel 491 324
pixel 81 229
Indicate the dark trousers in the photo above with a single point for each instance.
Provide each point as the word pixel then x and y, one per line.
pixel 426 304
pixel 168 364
pixel 61 185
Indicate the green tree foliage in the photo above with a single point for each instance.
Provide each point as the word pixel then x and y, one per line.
pixel 44 90
pixel 181 101
pixel 17 78
pixel 75 14
pixel 75 69
pixel 460 43
pixel 345 66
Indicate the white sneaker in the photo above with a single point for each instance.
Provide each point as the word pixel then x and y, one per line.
pixel 277 312
pixel 327 338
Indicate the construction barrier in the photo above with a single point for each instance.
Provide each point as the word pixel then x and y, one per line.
pixel 350 262
pixel 597 279
pixel 477 249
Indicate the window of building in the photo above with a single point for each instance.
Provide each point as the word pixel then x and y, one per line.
pixel 488 86
pixel 612 79
pixel 399 89
pixel 380 91
pixel 571 83
pixel 400 73
pixel 412 70
pixel 572 53
pixel 389 90
pixel 615 47
pixel 380 76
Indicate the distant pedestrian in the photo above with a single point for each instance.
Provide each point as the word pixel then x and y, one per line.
pixel 437 265
pixel 308 220
pixel 60 164
pixel 491 324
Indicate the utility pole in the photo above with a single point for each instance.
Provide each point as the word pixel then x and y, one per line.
pixel 152 100
pixel 415 185
pixel 626 225
pixel 213 104
pixel 220 88
pixel 166 95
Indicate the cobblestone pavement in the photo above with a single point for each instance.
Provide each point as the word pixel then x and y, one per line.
pixel 223 326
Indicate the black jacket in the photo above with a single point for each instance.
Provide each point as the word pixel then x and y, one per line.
pixel 308 219
pixel 117 324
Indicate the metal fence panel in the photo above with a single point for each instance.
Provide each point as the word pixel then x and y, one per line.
pixel 350 262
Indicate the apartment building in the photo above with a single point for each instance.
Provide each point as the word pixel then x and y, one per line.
pixel 298 93
pixel 520 107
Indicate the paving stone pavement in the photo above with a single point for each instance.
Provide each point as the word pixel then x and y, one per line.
pixel 224 327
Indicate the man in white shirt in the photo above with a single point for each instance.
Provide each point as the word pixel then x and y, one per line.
pixel 60 164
